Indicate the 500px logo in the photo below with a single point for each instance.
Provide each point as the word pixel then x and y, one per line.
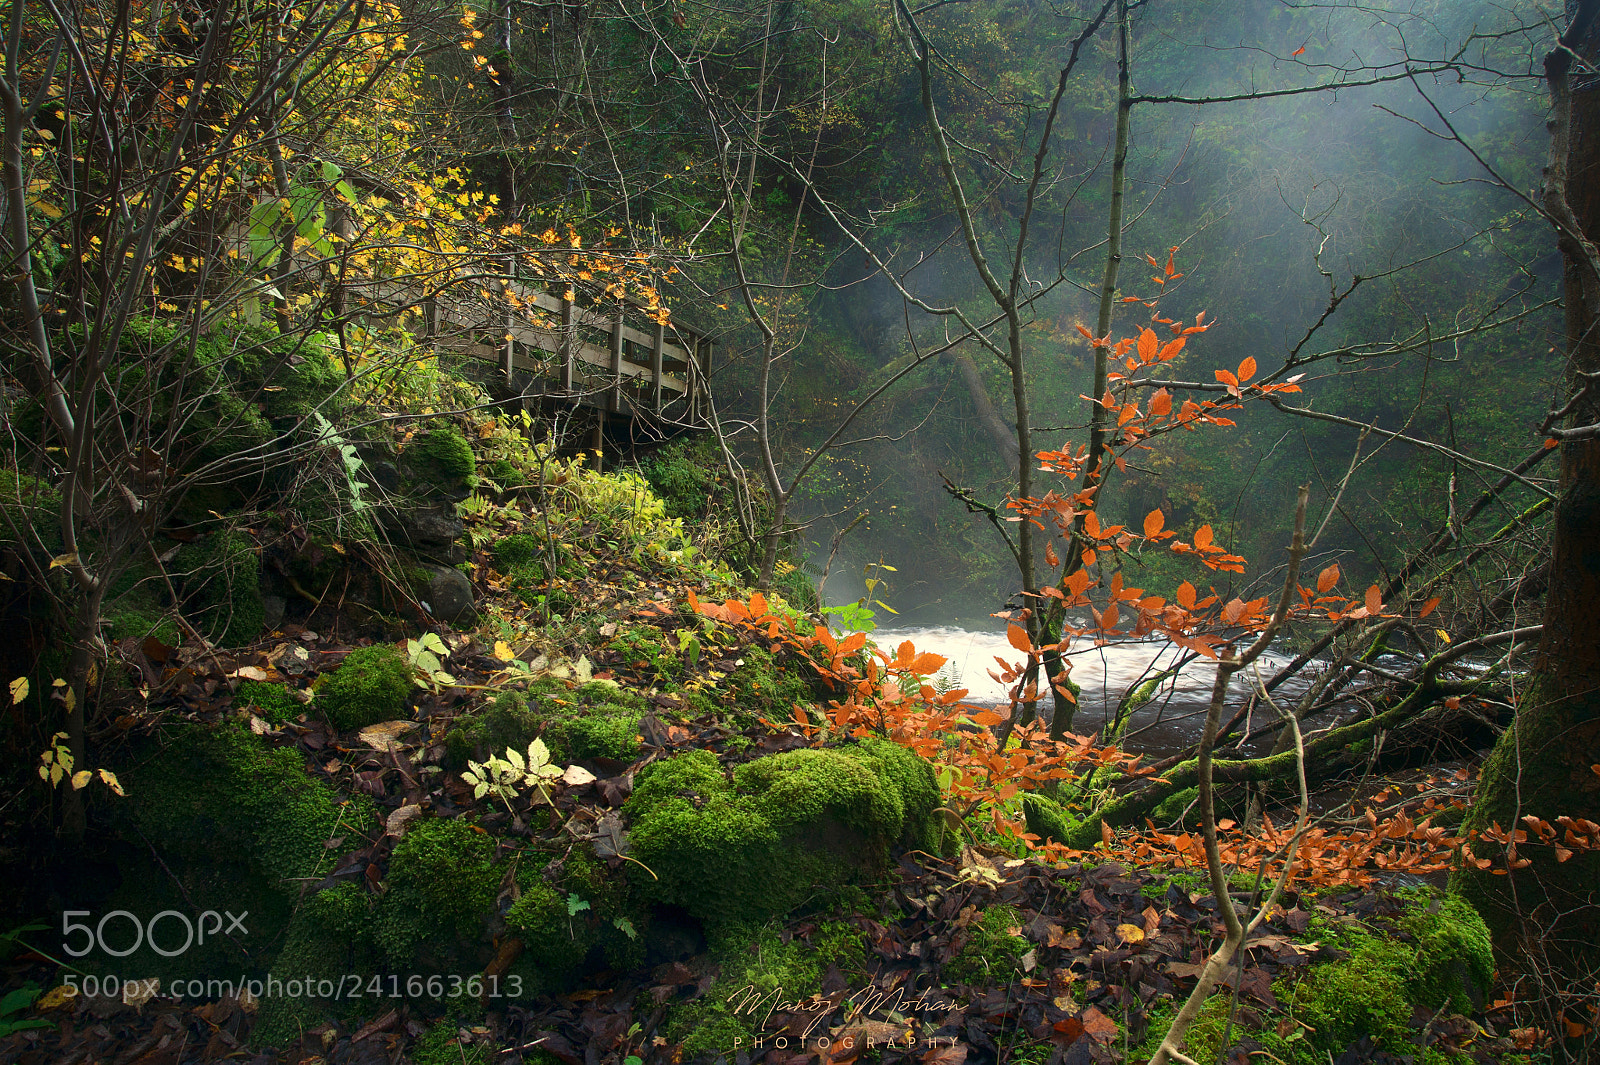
pixel 193 931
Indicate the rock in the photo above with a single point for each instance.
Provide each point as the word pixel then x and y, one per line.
pixel 450 598
pixel 428 531
pixel 272 608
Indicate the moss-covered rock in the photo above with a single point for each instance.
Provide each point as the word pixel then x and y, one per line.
pixel 370 686
pixel 222 593
pixel 271 702
pixel 784 830
pixel 442 882
pixel 444 455
pixel 239 826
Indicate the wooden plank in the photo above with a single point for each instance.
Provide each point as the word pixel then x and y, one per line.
pixel 569 340
pixel 655 366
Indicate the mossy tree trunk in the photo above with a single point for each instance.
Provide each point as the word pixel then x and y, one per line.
pixel 1546 916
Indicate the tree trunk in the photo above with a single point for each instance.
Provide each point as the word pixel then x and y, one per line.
pixel 1546 916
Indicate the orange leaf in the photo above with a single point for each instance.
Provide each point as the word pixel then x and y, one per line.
pixel 1202 537
pixel 1171 349
pixel 1085 331
pixel 1153 522
pixel 1161 404
pixel 854 642
pixel 1018 636
pixel 758 604
pixel 1050 555
pixel 1149 344
pixel 1374 600
pixel 1327 579
pixel 1427 608
pixel 1171 267
pixel 1247 368
pixel 1298 51
pixel 1186 595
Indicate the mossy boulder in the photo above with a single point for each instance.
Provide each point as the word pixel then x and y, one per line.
pixel 574 915
pixel 371 685
pixel 221 585
pixel 238 826
pixel 442 458
pixel 781 831
pixel 595 721
pixel 442 884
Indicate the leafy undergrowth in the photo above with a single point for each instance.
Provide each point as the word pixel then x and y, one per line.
pixel 608 645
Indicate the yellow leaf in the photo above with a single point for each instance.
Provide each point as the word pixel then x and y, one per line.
pixel 1130 933
pixel 81 779
pixel 19 690
pixel 64 560
pixel 503 651
pixel 111 781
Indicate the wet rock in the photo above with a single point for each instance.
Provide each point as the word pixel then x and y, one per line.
pixel 450 598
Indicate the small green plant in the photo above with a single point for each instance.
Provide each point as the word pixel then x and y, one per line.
pixel 504 776
pixel 425 656
pixel 15 1003
pixel 859 615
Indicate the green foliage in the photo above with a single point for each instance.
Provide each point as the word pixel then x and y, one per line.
pixel 14 1003
pixel 685 475
pixel 370 686
pixel 272 702
pixel 787 829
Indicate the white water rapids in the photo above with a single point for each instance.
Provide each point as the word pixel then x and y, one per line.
pixel 1170 720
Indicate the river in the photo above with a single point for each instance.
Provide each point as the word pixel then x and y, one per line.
pixel 1169 722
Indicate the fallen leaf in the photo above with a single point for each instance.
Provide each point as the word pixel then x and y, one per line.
pixel 251 673
pixel 385 735
pixel 577 776
pixel 396 823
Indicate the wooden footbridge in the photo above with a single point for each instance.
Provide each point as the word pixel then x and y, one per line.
pixel 636 377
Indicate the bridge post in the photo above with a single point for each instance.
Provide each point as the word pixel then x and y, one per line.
pixel 568 343
pixel 614 400
pixel 655 367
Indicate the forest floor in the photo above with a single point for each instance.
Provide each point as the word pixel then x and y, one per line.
pixel 1083 963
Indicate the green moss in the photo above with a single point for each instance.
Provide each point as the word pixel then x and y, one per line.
pixel 327 940
pixel 1540 767
pixel 222 593
pixel 440 1045
pixel 1454 961
pixel 370 686
pixel 272 702
pixel 442 884
pixel 608 730
pixel 512 551
pixel 757 969
pixel 445 454
pixel 31 508
pixel 505 474
pixel 786 829
pixel 1046 818
pixel 1437 957
pixel 992 950
pixel 239 826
